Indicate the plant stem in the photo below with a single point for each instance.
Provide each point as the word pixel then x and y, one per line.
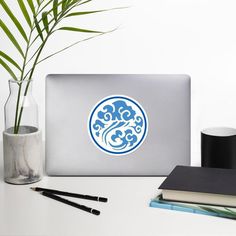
pixel 16 129
pixel 31 74
pixel 37 58
pixel 17 108
pixel 16 124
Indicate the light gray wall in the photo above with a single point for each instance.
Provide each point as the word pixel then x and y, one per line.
pixel 197 37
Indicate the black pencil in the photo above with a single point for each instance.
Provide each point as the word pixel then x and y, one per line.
pixel 74 204
pixel 76 195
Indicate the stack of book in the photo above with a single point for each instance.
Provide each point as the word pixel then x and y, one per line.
pixel 208 191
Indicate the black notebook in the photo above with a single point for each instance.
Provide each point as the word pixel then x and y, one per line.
pixel 201 185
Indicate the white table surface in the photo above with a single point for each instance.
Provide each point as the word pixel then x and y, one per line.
pixel 24 212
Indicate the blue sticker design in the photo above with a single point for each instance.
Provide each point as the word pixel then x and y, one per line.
pixel 118 125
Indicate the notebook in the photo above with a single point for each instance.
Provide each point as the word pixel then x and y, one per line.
pixel 210 210
pixel 201 185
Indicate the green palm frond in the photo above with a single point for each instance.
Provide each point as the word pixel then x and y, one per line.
pixel 44 18
pixel 38 28
pixel 79 30
pixel 72 45
pixel 45 6
pixel 11 37
pixel 55 8
pixel 85 2
pixel 63 5
pixel 8 69
pixel 9 59
pixel 13 18
pixel 45 21
pixel 24 11
pixel 32 7
pixel 92 12
pixel 48 13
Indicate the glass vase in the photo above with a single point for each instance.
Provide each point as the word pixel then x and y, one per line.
pixel 22 140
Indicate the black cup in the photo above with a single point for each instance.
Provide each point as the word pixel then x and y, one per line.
pixel 218 147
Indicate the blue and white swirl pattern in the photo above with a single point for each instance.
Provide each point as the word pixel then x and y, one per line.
pixel 118 125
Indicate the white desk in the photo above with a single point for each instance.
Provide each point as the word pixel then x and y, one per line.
pixel 24 212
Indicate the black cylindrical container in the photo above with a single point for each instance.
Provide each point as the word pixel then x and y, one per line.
pixel 218 147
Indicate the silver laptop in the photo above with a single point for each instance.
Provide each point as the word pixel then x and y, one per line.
pixel 117 125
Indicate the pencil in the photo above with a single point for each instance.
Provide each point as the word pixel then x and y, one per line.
pixel 74 204
pixel 76 195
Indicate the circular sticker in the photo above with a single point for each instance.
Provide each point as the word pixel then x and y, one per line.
pixel 118 125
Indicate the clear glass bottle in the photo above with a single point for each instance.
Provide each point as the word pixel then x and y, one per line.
pixel 22 140
pixel 21 110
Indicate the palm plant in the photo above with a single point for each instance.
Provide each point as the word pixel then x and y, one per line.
pixel 44 18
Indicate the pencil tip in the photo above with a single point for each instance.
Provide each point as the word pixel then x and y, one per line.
pixel 95 212
pixel 33 188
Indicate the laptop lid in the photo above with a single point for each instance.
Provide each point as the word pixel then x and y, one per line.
pixel 125 125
